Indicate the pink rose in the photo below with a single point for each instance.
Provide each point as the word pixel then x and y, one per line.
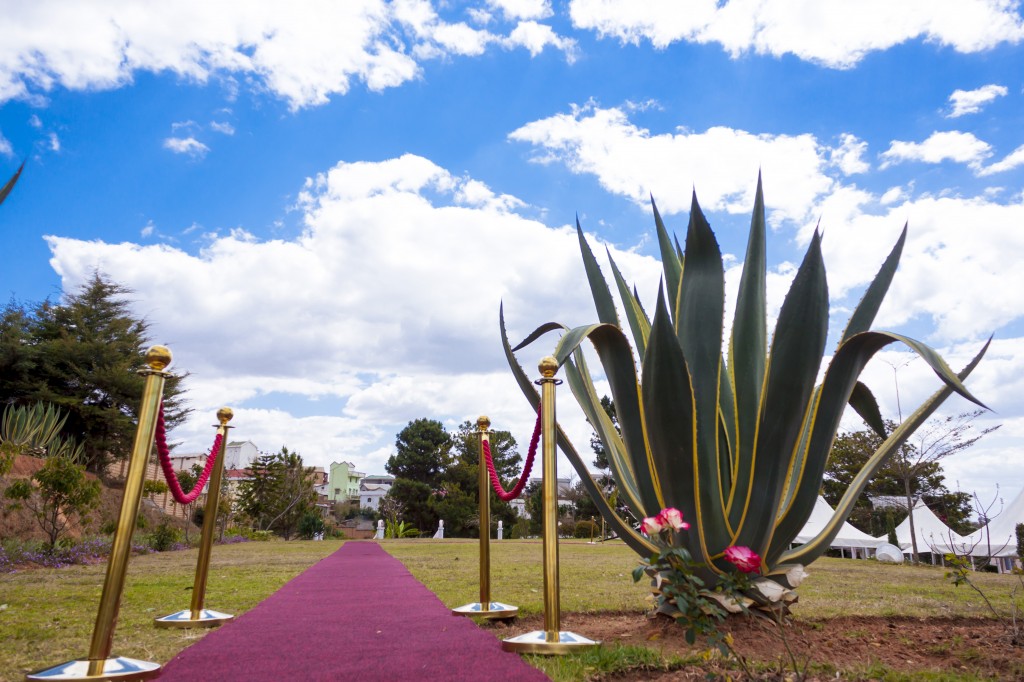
pixel 652 525
pixel 673 518
pixel 743 558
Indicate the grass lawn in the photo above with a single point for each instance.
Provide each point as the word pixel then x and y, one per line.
pixel 598 578
pixel 47 615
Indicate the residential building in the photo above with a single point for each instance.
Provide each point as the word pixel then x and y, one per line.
pixel 240 454
pixel 372 489
pixel 344 482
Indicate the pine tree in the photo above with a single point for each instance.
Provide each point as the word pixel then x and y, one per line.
pixel 279 493
pixel 83 356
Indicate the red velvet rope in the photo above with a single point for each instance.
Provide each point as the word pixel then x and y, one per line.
pixel 495 483
pixel 165 463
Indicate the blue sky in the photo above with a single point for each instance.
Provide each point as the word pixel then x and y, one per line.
pixel 320 208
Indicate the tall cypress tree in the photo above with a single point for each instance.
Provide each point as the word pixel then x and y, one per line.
pixel 83 355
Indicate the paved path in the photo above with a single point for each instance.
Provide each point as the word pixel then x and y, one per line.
pixel 356 615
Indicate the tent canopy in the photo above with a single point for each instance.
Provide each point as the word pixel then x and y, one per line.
pixel 848 537
pixel 932 534
pixel 999 537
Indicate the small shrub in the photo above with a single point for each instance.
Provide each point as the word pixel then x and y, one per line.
pixel 164 537
pixel 311 525
pixel 520 529
pixel 586 530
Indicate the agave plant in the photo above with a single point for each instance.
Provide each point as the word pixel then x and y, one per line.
pixel 35 430
pixel 736 440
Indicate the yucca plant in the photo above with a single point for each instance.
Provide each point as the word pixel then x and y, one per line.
pixel 737 440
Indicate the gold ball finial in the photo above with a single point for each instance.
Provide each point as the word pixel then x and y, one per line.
pixel 224 415
pixel 548 366
pixel 483 422
pixel 158 357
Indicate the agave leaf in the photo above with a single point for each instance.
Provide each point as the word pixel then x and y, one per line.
pixel 671 262
pixel 748 349
pixel 32 427
pixel 870 302
pixel 6 189
pixel 639 325
pixel 806 553
pixel 578 378
pixel 840 381
pixel 617 359
pixel 699 329
pixel 671 420
pixel 535 334
pixel 797 346
pixel 603 300
pixel 634 540
pixel 728 435
pixel 796 463
pixel 862 400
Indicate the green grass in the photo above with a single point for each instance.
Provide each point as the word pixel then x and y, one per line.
pixel 598 578
pixel 47 615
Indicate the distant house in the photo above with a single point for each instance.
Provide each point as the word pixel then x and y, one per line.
pixel 564 496
pixel 240 454
pixel 344 482
pixel 372 489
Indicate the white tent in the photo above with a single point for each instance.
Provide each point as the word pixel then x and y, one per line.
pixel 932 534
pixel 849 538
pixel 999 537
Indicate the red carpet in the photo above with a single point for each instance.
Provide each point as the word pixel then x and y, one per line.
pixel 356 615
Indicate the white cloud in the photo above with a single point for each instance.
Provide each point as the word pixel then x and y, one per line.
pixel 34 121
pixel 834 33
pixel 5 147
pixel 940 146
pixel 387 303
pixel 522 9
pixel 1012 160
pixel 186 145
pixel 721 163
pixel 304 53
pixel 849 155
pixel 892 195
pixel 224 128
pixel 964 102
pixel 54 142
pixel 148 229
pixel 535 37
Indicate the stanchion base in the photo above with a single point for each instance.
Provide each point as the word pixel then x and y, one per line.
pixel 536 642
pixel 497 611
pixel 184 619
pixel 119 668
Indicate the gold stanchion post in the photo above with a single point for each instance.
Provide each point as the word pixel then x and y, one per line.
pixel 100 665
pixel 197 616
pixel 485 608
pixel 552 640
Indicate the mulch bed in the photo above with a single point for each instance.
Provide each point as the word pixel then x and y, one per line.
pixel 854 646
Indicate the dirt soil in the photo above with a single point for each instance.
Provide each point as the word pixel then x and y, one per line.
pixel 854 647
pixel 19 523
